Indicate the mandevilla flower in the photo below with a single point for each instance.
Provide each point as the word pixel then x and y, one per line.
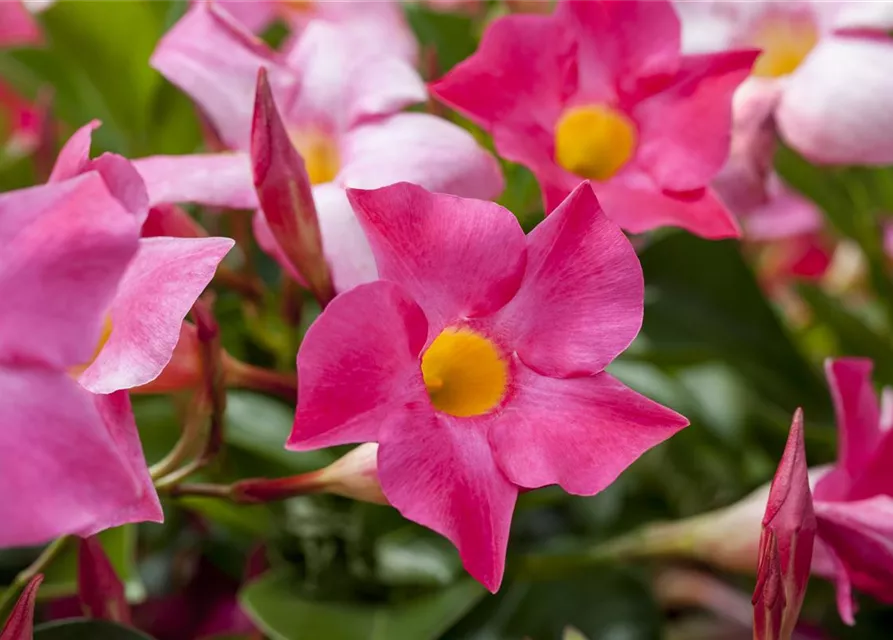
pixel 600 91
pixel 477 361
pixel 340 110
pixel 822 70
pixel 786 544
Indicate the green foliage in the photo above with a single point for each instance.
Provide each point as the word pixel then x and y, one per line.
pixel 83 629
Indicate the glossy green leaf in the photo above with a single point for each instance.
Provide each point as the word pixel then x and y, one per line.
pixel 83 629
pixel 406 557
pixel 276 604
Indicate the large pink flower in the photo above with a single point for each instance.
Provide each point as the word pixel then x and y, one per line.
pixel 477 362
pixel 599 91
pixel 341 110
pixel 71 461
pixel 823 68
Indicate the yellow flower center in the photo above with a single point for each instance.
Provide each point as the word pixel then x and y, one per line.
pixel 320 153
pixel 594 142
pixel 100 345
pixel 785 41
pixel 464 373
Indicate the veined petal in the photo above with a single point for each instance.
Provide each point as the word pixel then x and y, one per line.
pixel 440 472
pixel 580 433
pixel 458 258
pixel 160 286
pixel 422 149
pixel 214 179
pixel 213 59
pixel 581 300
pixel 54 433
pixel 66 246
pixel 835 107
pixel 358 367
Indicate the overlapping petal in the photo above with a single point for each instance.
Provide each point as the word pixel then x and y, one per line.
pixel 439 248
pixel 217 180
pixel 580 433
pixel 358 367
pixel 440 472
pixel 159 287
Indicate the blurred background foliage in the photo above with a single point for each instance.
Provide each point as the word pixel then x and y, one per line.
pixel 714 346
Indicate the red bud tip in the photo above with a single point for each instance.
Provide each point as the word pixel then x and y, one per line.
pixel 20 624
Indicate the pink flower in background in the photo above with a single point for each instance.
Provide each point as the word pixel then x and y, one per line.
pixel 17 26
pixel 341 110
pixel 599 91
pixel 21 123
pixel 789 529
pixel 161 283
pixel 823 69
pixel 477 362
pixel 67 246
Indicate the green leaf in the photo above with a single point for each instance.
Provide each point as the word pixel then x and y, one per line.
pixel 84 629
pixel 406 557
pixel 451 35
pixel 276 604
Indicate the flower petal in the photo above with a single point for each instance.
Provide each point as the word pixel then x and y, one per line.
pixel 424 150
pixel 835 107
pixel 358 367
pixel 213 59
pixel 74 157
pixel 580 303
pixel 216 180
pixel 66 246
pixel 458 258
pixel 17 26
pixel 580 433
pixel 54 434
pixel 685 129
pixel 160 286
pixel 440 472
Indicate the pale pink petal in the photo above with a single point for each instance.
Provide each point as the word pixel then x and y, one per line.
pixel 865 16
pixel 522 72
pixel 160 286
pixel 785 214
pixel 580 433
pixel 424 150
pixel 69 465
pixel 440 472
pixel 639 209
pixel 216 180
pixel 622 44
pixel 825 563
pixel 74 157
pixel 708 26
pixel 580 303
pixel 340 87
pixel 835 108
pixel 213 59
pixel 358 367
pixel 59 268
pixel 860 534
pixel 254 15
pixel 458 258
pixel 17 26
pixel 685 129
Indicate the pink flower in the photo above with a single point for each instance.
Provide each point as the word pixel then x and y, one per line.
pixel 341 111
pixel 21 123
pixel 67 246
pixel 789 529
pixel 599 91
pixel 17 26
pixel 823 67
pixel 477 362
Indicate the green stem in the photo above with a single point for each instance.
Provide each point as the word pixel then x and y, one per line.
pixel 46 557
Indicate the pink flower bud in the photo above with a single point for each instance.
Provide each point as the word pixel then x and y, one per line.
pixel 20 624
pixel 100 590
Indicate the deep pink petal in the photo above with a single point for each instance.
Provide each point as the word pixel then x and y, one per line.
pixel 171 220
pixel 422 149
pixel 100 590
pixel 69 462
pixel 685 129
pixel 835 107
pixel 522 72
pixel 160 286
pixel 340 87
pixel 580 303
pixel 66 246
pixel 643 208
pixel 580 433
pixel 213 59
pixel 216 180
pixel 358 367
pixel 17 26
pixel 860 534
pixel 440 472
pixel 622 44
pixel 458 258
